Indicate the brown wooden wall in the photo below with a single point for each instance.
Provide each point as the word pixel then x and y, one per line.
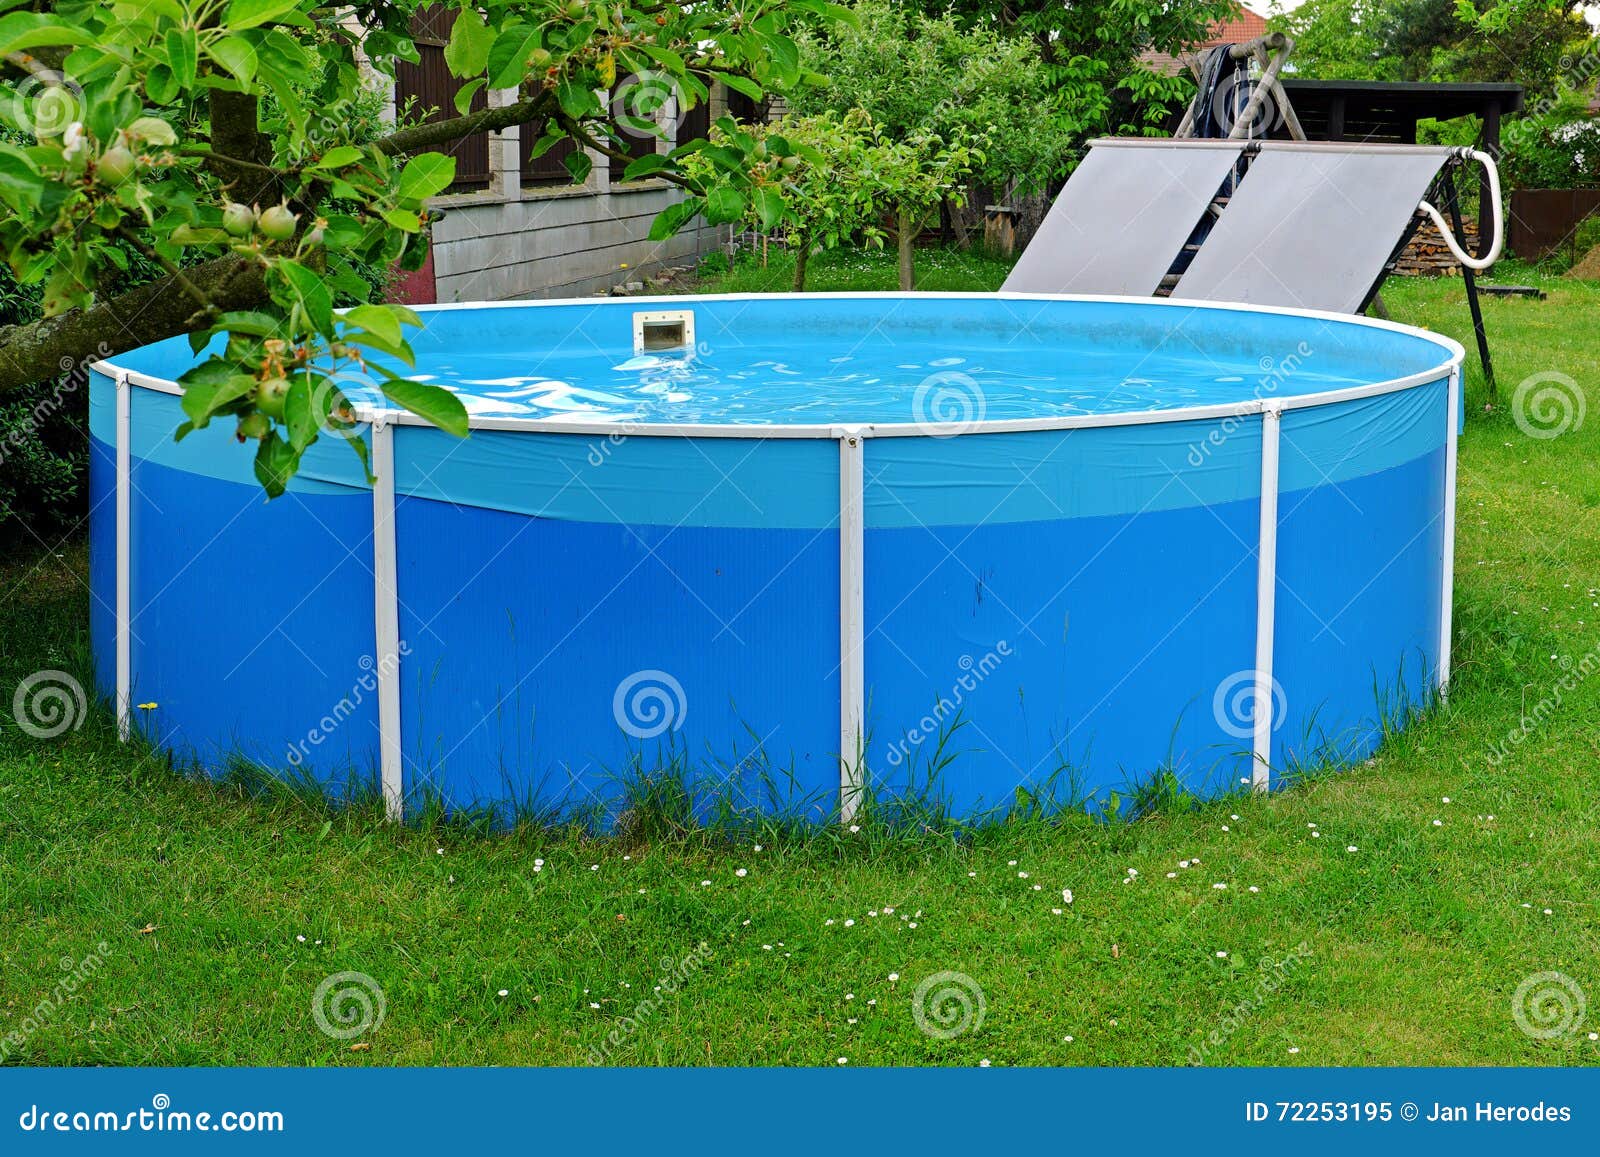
pixel 434 90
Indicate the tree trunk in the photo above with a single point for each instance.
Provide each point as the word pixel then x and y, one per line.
pixel 157 309
pixel 802 254
pixel 958 224
pixel 905 234
pixel 236 135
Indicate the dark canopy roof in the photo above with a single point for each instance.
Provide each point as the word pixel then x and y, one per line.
pixel 1378 110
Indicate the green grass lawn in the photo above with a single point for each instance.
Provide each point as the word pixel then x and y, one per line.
pixel 221 914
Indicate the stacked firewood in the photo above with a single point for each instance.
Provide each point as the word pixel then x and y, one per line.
pixel 1428 256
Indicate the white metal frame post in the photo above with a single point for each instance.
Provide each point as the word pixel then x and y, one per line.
pixel 852 621
pixel 386 618
pixel 1446 608
pixel 124 504
pixel 1266 601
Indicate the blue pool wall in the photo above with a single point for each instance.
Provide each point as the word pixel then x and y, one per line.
pixel 1061 606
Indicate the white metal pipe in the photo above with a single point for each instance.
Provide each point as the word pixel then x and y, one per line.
pixel 852 622
pixel 124 507
pixel 386 612
pixel 1266 603
pixel 1446 608
pixel 1492 176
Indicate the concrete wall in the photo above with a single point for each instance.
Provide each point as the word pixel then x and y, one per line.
pixel 509 242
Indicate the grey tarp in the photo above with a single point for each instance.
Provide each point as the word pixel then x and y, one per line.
pixel 1123 217
pixel 1312 225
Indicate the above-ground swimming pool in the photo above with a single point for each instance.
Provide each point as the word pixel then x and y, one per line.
pixel 801 552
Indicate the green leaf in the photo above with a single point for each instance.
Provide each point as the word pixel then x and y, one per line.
pixel 210 386
pixel 378 319
pixel 236 55
pixel 298 415
pixel 403 219
pixel 312 294
pixel 434 403
pixel 769 206
pixel 578 164
pixel 647 165
pixel 360 448
pixel 783 53
pixel 740 84
pixel 189 235
pixel 724 204
pixel 254 13
pixel 276 463
pixel 426 175
pixel 674 217
pixel 20 183
pixel 507 59
pixel 21 30
pixel 153 131
pixel 467 54
pixel 577 100
pixel 464 95
pixel 338 157
pixel 183 55
pixel 342 231
pixel 160 85
pixel 250 321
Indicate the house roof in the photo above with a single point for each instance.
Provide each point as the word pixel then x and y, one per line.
pixel 1246 24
